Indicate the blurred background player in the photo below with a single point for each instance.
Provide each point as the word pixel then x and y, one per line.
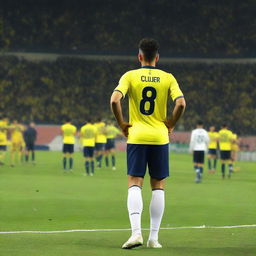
pixel 3 139
pixel 111 133
pixel 199 145
pixel 30 135
pixel 225 140
pixel 212 149
pixel 101 140
pixel 88 134
pixel 234 151
pixel 68 133
pixel 17 142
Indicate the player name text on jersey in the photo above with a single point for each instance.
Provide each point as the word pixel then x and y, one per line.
pixel 153 79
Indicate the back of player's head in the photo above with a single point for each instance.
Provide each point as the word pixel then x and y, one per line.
pixel 224 125
pixel 199 123
pixel 68 120
pixel 149 48
pixel 212 128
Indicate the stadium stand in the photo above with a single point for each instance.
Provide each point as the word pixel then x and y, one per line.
pixel 80 89
pixel 183 28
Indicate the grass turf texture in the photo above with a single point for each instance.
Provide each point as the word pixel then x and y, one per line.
pixel 41 197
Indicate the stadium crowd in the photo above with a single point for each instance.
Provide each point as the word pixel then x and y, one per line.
pixel 80 88
pixel 183 28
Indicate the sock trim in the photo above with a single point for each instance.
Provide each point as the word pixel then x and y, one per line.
pixel 134 186
pixel 157 189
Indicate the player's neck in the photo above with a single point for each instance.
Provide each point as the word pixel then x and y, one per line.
pixel 145 63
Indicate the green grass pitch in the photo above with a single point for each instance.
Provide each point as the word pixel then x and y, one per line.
pixel 42 198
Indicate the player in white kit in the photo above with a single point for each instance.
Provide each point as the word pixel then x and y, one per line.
pixel 199 145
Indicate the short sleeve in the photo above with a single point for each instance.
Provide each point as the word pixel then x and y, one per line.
pixel 124 84
pixel 175 91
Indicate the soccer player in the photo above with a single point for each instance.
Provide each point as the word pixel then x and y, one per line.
pixel 88 134
pixel 68 133
pixel 30 136
pixel 111 132
pixel 3 139
pixel 101 140
pixel 225 140
pixel 148 89
pixel 234 150
pixel 198 144
pixel 17 142
pixel 212 149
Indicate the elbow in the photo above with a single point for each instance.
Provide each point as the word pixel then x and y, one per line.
pixel 181 103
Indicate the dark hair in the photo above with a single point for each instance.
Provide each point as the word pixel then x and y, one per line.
pixel 68 119
pixel 200 122
pixel 224 125
pixel 149 48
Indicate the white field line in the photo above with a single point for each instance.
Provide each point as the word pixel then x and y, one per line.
pixel 122 229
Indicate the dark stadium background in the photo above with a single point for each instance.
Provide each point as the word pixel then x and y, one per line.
pixel 62 58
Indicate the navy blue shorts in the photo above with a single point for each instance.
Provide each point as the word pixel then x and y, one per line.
pixel 88 151
pixel 100 146
pixel 212 151
pixel 156 157
pixel 225 154
pixel 2 147
pixel 30 146
pixel 198 157
pixel 110 144
pixel 68 148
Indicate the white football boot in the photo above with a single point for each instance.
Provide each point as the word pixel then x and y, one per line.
pixel 153 244
pixel 133 241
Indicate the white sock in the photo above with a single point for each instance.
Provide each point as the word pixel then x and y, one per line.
pixel 135 206
pixel 156 213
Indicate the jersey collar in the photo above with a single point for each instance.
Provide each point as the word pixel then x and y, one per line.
pixel 148 67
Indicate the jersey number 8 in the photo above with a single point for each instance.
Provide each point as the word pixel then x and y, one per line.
pixel 150 99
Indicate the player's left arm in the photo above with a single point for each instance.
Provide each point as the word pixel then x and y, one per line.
pixel 179 108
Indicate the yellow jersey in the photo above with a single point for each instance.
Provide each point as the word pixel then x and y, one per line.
pixel 225 139
pixel 101 132
pixel 148 89
pixel 69 132
pixel 234 144
pixel 3 133
pixel 214 136
pixel 111 131
pixel 17 134
pixel 88 135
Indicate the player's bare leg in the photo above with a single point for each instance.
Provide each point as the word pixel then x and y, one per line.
pixel 156 208
pixel 135 206
pixel 212 167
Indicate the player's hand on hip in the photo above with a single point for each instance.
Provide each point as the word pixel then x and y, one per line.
pixel 125 128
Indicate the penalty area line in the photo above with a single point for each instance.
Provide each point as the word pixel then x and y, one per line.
pixel 122 229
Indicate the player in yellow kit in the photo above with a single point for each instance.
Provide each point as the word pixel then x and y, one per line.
pixel 17 142
pixel 149 89
pixel 111 133
pixel 212 149
pixel 3 139
pixel 68 133
pixel 234 150
pixel 101 140
pixel 88 135
pixel 225 140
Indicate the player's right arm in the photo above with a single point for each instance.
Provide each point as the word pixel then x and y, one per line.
pixel 115 102
pixel 116 107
